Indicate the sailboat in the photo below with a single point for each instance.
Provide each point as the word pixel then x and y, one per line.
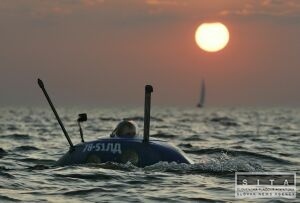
pixel 202 95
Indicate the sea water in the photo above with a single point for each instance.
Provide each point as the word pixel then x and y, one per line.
pixel 221 141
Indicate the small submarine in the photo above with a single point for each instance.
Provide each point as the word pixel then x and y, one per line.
pixel 140 151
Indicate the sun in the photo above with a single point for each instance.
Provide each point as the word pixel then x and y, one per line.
pixel 212 37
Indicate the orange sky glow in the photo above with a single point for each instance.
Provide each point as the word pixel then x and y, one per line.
pixel 103 52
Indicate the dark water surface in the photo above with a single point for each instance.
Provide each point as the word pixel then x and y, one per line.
pixel 219 141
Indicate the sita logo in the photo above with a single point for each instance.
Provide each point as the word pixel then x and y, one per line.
pixel 265 185
pixel 278 182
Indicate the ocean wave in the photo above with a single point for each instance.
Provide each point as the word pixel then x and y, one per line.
pixel 163 135
pixel 107 165
pixel 38 167
pixel 3 168
pixel 6 175
pixel 220 165
pixel 194 138
pixel 5 199
pixel 225 121
pixel 16 136
pixel 186 145
pixel 141 118
pixel 224 161
pixel 205 200
pixel 26 148
pixel 94 176
pixel 38 161
pixel 2 152
pixel 236 153
pixel 109 119
pixel 91 190
pixel 12 127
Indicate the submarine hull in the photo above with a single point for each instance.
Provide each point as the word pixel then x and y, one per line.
pixel 123 150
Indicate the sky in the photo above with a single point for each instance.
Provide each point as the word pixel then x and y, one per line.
pixel 103 52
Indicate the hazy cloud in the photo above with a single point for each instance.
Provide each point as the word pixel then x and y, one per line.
pixel 165 3
pixel 92 2
pixel 46 8
pixel 39 8
pixel 275 8
pixel 157 7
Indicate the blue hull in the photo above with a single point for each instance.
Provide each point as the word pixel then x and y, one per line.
pixel 122 150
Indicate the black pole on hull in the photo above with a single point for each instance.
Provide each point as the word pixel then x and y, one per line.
pixel 148 91
pixel 41 84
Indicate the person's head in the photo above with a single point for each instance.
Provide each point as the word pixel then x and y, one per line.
pixel 125 128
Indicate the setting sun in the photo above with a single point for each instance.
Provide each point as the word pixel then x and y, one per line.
pixel 212 37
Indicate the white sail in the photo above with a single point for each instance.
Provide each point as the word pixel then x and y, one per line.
pixel 202 95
